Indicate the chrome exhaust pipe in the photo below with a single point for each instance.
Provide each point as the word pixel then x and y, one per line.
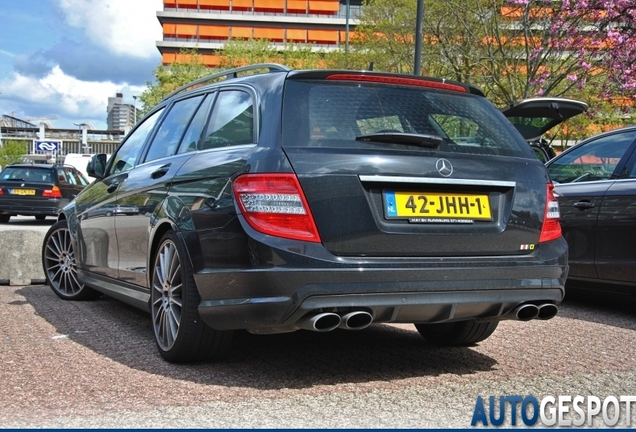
pixel 356 320
pixel 321 322
pixel 526 312
pixel 547 311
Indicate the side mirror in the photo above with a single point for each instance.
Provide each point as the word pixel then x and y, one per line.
pixel 97 166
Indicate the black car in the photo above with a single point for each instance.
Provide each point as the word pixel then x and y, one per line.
pixel 596 186
pixel 38 190
pixel 534 117
pixel 316 200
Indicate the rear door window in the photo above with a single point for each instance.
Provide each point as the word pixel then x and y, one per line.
pixel 232 120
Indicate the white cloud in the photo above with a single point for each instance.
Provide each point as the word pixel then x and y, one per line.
pixel 126 27
pixel 71 99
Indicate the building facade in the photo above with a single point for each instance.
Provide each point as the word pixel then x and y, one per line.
pixel 120 116
pixel 206 25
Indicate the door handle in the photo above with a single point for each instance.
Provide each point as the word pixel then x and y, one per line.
pixel 160 172
pixel 584 205
pixel 112 187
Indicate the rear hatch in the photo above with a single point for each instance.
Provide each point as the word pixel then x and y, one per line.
pixel 408 167
pixel 22 186
pixel 534 117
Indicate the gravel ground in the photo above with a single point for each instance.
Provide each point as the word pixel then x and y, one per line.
pixel 94 364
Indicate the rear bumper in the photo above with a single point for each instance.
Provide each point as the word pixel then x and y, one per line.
pixel 424 291
pixel 50 208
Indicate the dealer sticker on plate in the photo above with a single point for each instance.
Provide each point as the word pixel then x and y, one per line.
pixel 436 207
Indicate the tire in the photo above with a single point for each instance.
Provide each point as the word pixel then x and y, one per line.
pixel 60 268
pixel 459 333
pixel 180 334
pixel 40 217
pixel 5 218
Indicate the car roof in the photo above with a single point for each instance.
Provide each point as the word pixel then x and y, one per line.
pixel 273 68
pixel 37 165
pixel 534 117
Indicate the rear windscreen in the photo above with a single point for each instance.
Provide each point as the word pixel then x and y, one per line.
pixel 332 114
pixel 27 174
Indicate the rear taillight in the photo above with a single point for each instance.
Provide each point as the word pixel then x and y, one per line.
pixel 551 229
pixel 1 192
pixel 274 204
pixel 54 192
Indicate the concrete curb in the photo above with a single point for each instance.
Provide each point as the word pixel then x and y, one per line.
pixel 21 257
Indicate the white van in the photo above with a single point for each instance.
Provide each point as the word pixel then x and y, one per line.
pixel 79 161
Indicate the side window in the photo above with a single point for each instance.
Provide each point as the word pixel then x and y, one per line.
pixel 126 155
pixel 190 141
pixel 61 176
pixel 168 136
pixel 74 177
pixel 232 120
pixel 595 160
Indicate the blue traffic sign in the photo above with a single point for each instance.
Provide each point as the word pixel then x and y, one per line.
pixel 47 145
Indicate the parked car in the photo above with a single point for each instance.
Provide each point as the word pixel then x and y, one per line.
pixel 534 117
pixel 596 186
pixel 38 190
pixel 316 200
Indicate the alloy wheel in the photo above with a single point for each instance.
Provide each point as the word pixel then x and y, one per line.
pixel 59 263
pixel 167 295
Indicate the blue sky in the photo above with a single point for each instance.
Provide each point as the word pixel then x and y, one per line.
pixel 62 59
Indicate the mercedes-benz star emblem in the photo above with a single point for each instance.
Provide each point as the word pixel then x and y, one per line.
pixel 444 167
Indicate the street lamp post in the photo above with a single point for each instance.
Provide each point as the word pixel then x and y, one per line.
pixel 347 13
pixel 135 109
pixel 418 38
pixel 83 128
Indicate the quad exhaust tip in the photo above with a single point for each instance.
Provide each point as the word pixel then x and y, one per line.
pixel 529 311
pixel 322 322
pixel 356 320
pixel 328 321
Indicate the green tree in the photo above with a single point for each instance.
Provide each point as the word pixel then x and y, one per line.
pixel 188 68
pixel 12 151
pixel 385 36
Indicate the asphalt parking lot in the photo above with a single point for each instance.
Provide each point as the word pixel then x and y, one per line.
pixel 94 364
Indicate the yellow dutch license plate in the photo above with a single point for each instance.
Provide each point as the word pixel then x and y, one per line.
pixel 436 206
pixel 23 192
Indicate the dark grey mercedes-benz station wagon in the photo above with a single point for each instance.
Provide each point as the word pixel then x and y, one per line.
pixel 317 200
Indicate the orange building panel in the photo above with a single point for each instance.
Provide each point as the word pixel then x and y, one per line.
pixel 210 60
pixel 169 29
pixel 168 58
pixel 241 32
pixel 297 6
pixel 186 30
pixel 296 35
pixel 269 5
pixel 324 6
pixel 242 4
pixel 170 3
pixel 272 34
pixel 213 32
pixel 322 36
pixel 190 4
pixel 214 4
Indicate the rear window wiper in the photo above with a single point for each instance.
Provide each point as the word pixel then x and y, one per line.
pixel 424 140
pixel 15 179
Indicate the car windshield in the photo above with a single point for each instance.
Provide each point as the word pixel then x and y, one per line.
pixel 27 174
pixel 331 114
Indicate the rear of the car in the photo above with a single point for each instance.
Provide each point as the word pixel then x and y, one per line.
pixel 409 200
pixel 30 190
